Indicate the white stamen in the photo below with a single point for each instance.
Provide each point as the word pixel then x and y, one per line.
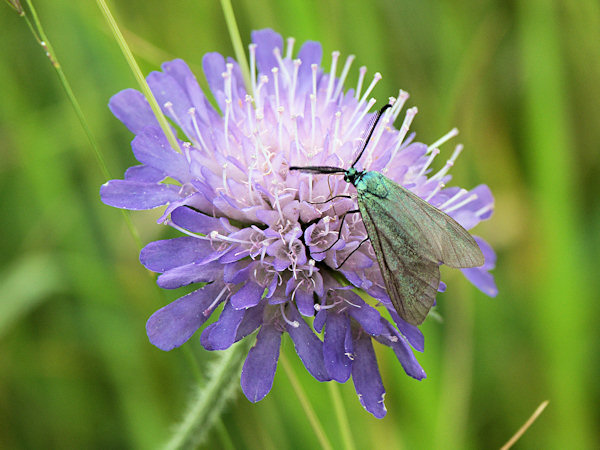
pixel 275 72
pixel 485 209
pixel 313 123
pixel 296 288
pixel 294 323
pixel 452 199
pixel 252 51
pixel 408 118
pixel 192 113
pixel 400 101
pixel 375 80
pixel 334 59
pixel 314 68
pixel 215 302
pixel 290 47
pixel 449 135
pixel 361 78
pixel 358 121
pixel 281 64
pixel 257 100
pixel 435 191
pixel 469 199
pixel 292 92
pixel 343 75
pixel 336 131
pixel 444 170
pixel 434 153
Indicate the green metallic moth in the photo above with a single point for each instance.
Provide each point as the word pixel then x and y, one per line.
pixel 411 237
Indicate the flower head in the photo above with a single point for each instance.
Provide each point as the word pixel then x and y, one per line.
pixel 255 233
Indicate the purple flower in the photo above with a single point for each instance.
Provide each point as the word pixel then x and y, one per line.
pixel 254 233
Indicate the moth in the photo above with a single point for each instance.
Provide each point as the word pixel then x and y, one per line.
pixel 410 237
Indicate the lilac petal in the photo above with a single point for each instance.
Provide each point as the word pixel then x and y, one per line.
pixel 190 273
pixel 137 195
pixel 410 332
pixel 168 91
pixel 366 377
pixel 266 41
pixel 305 302
pixel 221 334
pixel 174 324
pixel 308 346
pixel 214 66
pixel 260 365
pixel 253 318
pixel 248 296
pixel 151 147
pixel 132 108
pixel 368 317
pixel 195 221
pixel 479 276
pixel 320 320
pixel 403 352
pixel 335 353
pixel 237 273
pixel 144 173
pixel 310 53
pixel 160 256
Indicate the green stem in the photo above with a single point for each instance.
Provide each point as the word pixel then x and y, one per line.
pixel 236 40
pixel 39 34
pixel 138 75
pixel 341 415
pixel 305 403
pixel 211 398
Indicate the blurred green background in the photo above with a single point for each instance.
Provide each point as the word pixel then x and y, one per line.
pixel 520 79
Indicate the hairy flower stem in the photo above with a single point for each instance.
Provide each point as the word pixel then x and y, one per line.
pixel 211 398
pixel 40 36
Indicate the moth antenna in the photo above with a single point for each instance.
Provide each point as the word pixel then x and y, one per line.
pixel 371 130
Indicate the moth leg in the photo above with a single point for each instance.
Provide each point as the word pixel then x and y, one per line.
pixel 352 252
pixel 340 229
pixel 328 200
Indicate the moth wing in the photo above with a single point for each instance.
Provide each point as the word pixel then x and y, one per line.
pixel 440 236
pixel 410 278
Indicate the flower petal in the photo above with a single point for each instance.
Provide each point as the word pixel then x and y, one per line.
pixel 144 173
pixel 253 318
pixel 160 256
pixel 137 195
pixel 366 377
pixel 335 351
pixel 410 332
pixel 132 108
pixel 190 273
pixel 266 41
pixel 221 334
pixel 260 365
pixel 195 221
pixel 368 317
pixel 248 296
pixel 151 147
pixel 403 352
pixel 174 324
pixel 479 276
pixel 308 346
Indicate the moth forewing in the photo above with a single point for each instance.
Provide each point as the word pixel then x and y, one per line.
pixel 410 238
pixel 433 230
pixel 411 280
